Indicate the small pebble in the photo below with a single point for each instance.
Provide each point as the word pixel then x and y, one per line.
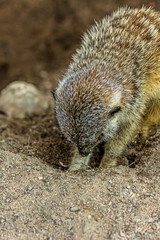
pixel 154 227
pixel 122 234
pixel 2 220
pixel 68 220
pixel 74 209
pixel 29 188
pixel 154 214
pixel 16 215
pixel 133 220
pixel 28 168
pixel 40 178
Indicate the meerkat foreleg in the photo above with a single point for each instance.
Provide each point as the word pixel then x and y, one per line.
pixel 115 146
pixel 151 118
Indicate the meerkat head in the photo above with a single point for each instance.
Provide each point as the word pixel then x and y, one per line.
pixel 87 111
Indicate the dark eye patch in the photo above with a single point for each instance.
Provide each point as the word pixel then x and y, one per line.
pixel 115 110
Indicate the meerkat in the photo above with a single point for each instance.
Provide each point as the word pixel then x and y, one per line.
pixel 111 89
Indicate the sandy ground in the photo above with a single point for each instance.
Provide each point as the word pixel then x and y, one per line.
pixel 37 199
pixel 40 202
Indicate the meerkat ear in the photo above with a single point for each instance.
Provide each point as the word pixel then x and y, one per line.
pixel 53 94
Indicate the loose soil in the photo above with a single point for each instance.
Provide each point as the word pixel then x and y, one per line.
pixel 38 199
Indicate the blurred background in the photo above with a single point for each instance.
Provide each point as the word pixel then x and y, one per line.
pixel 38 37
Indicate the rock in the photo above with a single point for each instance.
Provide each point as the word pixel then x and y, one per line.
pixel 74 209
pixel 20 99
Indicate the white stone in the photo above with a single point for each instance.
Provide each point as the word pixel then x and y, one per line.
pixel 20 99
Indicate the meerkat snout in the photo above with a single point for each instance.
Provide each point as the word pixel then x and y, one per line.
pixel 83 151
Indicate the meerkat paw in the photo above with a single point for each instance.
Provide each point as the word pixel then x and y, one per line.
pixel 79 163
pixel 108 163
pixel 76 167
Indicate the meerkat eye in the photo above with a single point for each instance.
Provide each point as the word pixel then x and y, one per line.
pixel 115 110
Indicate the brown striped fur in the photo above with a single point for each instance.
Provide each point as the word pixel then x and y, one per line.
pixel 111 90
